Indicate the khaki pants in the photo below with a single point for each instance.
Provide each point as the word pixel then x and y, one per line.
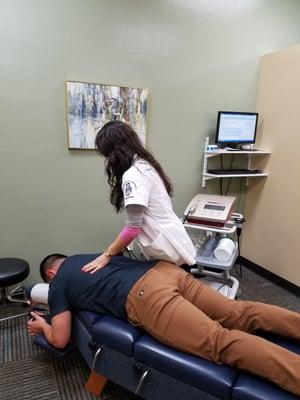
pixel 182 312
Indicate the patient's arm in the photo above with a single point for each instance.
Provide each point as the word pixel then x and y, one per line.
pixel 58 333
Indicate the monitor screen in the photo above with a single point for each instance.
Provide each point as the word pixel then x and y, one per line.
pixel 236 127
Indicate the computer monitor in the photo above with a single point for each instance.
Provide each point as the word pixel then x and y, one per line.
pixel 234 128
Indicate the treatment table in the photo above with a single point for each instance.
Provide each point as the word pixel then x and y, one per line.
pixel 128 356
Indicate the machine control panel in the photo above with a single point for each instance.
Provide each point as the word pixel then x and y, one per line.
pixel 208 208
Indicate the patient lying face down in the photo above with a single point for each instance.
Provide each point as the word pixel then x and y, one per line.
pixel 173 307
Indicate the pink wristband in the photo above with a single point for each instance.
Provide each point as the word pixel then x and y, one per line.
pixel 129 233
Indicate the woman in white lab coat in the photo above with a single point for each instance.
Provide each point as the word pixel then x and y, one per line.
pixel 140 186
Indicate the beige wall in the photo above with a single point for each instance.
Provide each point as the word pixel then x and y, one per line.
pixel 195 56
pixel 271 237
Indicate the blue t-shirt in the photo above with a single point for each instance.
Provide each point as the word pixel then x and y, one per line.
pixel 104 291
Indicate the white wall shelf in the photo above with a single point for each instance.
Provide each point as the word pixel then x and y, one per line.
pixel 213 153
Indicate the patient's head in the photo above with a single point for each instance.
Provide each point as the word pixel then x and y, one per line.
pixel 50 265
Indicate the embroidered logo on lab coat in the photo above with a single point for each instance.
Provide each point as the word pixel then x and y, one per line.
pixel 128 187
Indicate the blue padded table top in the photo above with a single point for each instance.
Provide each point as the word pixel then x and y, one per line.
pixel 41 341
pixel 220 381
pixel 89 318
pixel 116 333
pixel 250 387
pixel 127 339
pixel 205 375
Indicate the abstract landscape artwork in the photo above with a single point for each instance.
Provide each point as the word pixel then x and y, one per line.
pixel 91 105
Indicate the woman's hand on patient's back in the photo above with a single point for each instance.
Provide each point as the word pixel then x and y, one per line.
pixel 96 264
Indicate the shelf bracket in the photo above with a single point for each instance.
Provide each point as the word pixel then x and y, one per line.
pixel 205 162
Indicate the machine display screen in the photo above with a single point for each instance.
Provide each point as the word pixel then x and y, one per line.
pixel 214 207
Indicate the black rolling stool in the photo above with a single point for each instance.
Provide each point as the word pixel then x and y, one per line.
pixel 12 272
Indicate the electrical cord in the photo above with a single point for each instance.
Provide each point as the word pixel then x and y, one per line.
pixel 131 254
pixel 220 287
pixel 190 211
pixel 221 179
pixel 239 223
pixel 240 195
pixel 221 159
pixel 230 179
pixel 228 186
pixel 241 271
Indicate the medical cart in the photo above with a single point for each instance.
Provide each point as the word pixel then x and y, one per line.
pixel 205 239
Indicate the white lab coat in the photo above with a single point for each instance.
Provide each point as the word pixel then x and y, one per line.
pixel 163 235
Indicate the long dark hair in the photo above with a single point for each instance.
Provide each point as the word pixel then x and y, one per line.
pixel 119 143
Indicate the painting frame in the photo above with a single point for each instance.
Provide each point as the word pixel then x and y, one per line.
pixel 90 105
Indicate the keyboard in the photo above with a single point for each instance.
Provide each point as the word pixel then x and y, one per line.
pixel 234 171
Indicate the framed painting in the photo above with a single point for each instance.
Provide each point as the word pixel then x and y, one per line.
pixel 91 105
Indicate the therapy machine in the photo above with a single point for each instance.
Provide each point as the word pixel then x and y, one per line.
pixel 208 209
